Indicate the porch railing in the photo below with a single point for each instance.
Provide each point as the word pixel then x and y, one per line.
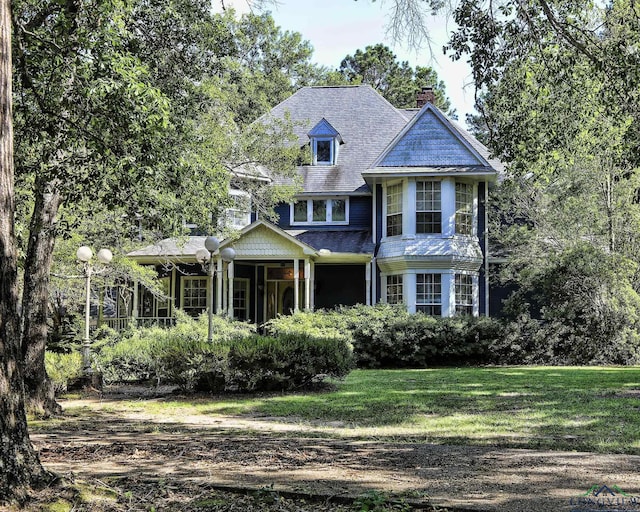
pixel 120 324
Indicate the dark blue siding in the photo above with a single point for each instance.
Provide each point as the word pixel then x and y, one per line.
pixel 339 285
pixel 359 215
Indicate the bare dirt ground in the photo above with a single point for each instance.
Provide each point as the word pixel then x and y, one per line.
pixel 186 463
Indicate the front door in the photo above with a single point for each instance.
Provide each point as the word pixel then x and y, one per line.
pixel 280 297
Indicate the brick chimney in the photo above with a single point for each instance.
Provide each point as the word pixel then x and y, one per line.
pixel 426 95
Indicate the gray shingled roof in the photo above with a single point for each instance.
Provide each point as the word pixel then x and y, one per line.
pixel 338 241
pixel 366 122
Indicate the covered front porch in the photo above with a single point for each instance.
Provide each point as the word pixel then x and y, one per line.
pixel 274 272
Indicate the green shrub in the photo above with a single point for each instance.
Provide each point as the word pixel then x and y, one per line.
pixel 579 308
pixel 321 324
pixel 237 360
pixel 63 368
pixel 388 336
pixel 285 363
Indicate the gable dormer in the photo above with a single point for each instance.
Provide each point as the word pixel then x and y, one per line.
pixel 325 141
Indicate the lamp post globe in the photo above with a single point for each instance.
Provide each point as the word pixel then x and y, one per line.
pixel 203 256
pixel 212 244
pixel 84 254
pixel 105 256
pixel 228 254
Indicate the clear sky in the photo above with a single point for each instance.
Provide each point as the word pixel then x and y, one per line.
pixel 337 28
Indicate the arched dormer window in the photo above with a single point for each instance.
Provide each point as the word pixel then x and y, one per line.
pixel 325 141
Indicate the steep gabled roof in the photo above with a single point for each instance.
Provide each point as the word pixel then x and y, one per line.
pixel 366 122
pixel 432 143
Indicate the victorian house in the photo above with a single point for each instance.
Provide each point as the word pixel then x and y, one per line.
pixel 392 209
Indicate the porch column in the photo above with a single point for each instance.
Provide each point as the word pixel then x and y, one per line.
pixel 367 278
pixel 296 285
pixel 307 284
pixel 312 272
pixel 134 307
pixel 219 280
pixel 374 282
pixel 173 293
pixel 230 286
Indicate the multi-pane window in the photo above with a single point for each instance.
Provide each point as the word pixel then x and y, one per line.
pixel 464 294
pixel 464 209
pixel 394 289
pixel 194 295
pixel 238 215
pixel 326 211
pixel 241 299
pixel 428 207
pixel 394 210
pixel 429 294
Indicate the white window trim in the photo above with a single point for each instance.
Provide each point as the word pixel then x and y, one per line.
pixel 385 206
pixel 328 219
pixel 442 284
pixel 474 209
pixel 230 213
pixel 332 150
pixel 416 211
pixel 402 284
pixel 475 296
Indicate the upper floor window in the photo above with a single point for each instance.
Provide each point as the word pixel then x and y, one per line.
pixel 323 152
pixel 464 209
pixel 428 207
pixel 464 294
pixel 429 294
pixel 325 141
pixel 325 211
pixel 394 210
pixel 394 289
pixel 238 215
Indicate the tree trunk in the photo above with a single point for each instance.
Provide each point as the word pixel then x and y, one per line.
pixel 35 301
pixel 20 466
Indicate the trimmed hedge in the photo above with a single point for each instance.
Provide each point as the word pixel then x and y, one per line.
pixel 386 336
pixel 237 360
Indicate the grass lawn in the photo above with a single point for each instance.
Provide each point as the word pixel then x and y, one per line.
pixel 561 408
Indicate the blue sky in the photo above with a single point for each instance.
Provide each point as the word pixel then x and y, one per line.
pixel 336 28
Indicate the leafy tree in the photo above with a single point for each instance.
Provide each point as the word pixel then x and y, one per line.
pixel 260 64
pixel 20 466
pixel 120 111
pixel 396 81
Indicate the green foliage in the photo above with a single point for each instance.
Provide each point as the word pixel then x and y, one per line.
pixel 317 324
pixel 63 369
pixel 237 360
pixel 581 308
pixel 286 363
pixel 396 81
pixel 387 336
